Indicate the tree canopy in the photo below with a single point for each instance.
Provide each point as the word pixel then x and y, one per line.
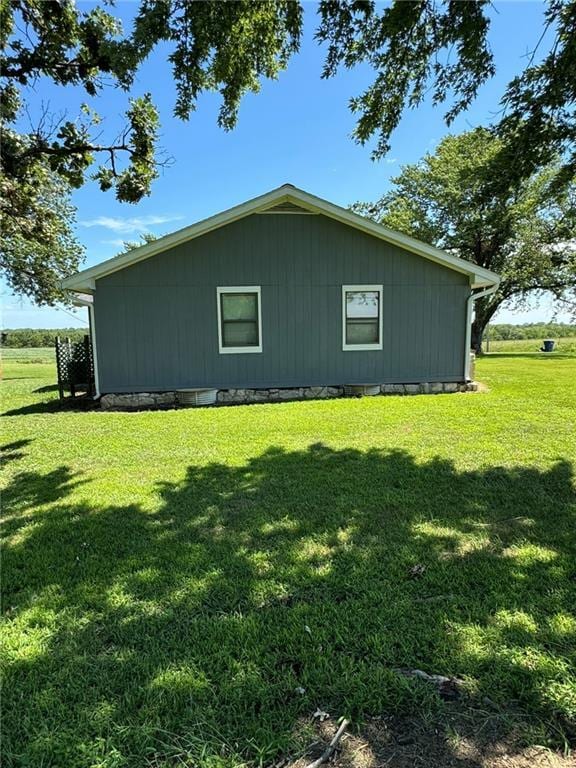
pixel 525 234
pixel 39 247
pixel 415 48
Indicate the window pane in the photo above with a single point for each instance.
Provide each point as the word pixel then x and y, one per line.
pixel 239 334
pixel 239 306
pixel 362 332
pixel 362 304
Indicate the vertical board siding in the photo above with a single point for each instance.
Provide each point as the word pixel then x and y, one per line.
pixel 157 328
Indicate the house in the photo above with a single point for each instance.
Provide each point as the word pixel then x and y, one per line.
pixel 286 295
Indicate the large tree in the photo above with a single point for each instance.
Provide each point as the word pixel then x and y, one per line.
pixel 524 233
pixel 415 48
pixel 227 47
pixel 38 247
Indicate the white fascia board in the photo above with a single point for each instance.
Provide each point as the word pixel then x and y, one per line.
pixel 83 300
pixel 86 277
pixel 481 276
pixel 85 280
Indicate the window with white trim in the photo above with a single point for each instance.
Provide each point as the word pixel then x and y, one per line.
pixel 361 317
pixel 239 319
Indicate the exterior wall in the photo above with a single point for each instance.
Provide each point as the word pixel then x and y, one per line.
pixel 157 327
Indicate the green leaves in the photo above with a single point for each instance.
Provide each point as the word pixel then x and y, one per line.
pixel 539 123
pixel 416 49
pixel 38 246
pixel 135 182
pixel 225 47
pixel 459 199
pixel 426 48
pixel 229 47
pixel 405 44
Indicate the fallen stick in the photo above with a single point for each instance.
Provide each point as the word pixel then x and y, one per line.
pixel 448 687
pixel 331 748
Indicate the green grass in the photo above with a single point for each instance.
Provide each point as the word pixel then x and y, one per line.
pixel 172 578
pixel 563 345
pixel 28 354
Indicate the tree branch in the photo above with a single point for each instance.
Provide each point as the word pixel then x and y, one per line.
pixel 75 150
pixel 37 65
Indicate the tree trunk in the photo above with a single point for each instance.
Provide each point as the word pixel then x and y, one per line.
pixel 476 336
pixel 484 311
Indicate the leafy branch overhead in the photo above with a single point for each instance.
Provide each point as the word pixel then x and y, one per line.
pixel 428 49
pixel 227 47
pixel 216 46
pixel 416 49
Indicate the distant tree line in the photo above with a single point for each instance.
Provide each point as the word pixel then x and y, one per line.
pixel 20 338
pixel 503 331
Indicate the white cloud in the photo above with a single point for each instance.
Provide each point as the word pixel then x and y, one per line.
pixel 116 243
pixel 130 225
pixel 390 160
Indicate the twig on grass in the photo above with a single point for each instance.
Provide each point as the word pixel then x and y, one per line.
pixel 448 687
pixel 331 748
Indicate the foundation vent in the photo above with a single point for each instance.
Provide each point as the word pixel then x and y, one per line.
pixel 191 397
pixel 358 390
pixel 286 207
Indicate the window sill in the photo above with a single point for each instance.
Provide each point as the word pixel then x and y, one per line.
pixel 238 350
pixel 361 347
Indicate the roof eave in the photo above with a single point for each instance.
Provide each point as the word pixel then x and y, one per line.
pixel 85 281
pixel 80 280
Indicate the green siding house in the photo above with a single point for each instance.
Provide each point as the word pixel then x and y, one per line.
pixel 285 295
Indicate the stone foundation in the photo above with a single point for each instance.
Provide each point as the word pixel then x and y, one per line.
pixel 322 393
pixel 277 395
pixel 137 400
pixel 145 400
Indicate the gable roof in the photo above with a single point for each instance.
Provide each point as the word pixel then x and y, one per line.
pixel 285 199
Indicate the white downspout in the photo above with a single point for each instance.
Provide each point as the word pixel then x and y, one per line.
pixel 94 351
pixel 469 301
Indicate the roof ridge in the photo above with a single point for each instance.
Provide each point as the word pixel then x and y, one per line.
pixel 84 281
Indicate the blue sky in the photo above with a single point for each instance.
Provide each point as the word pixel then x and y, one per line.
pixel 297 130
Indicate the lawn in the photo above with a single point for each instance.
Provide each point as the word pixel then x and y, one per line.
pixel 188 587
pixel 566 345
pixel 29 355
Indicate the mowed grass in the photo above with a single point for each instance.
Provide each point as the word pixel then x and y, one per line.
pixel 565 345
pixel 28 354
pixel 187 587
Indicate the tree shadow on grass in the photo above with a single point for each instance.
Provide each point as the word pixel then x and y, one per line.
pixel 13 451
pixel 56 406
pixel 46 388
pixel 206 628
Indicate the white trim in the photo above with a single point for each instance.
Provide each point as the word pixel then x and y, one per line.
pixel 94 350
pixel 287 213
pixel 468 339
pixel 85 280
pixel 238 289
pixel 469 301
pixel 361 347
pixel 83 300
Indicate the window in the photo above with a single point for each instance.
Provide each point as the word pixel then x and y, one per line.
pixel 239 319
pixel 361 317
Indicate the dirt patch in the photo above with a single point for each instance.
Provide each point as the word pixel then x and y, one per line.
pixel 464 738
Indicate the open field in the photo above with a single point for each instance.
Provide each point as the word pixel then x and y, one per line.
pixel 28 354
pixel 188 587
pixel 563 346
